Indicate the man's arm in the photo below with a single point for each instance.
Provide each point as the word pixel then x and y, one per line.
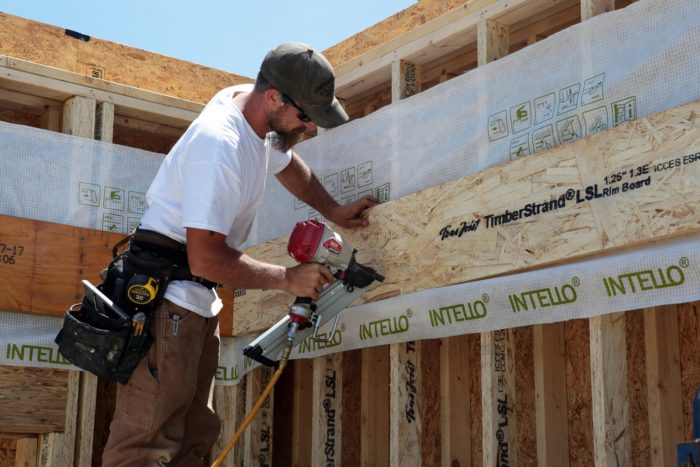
pixel 298 179
pixel 209 257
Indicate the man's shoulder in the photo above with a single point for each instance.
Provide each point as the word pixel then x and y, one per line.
pixel 228 92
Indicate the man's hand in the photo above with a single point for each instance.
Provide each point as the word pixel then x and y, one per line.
pixel 301 182
pixel 351 215
pixel 307 280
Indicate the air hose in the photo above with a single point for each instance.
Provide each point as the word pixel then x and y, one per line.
pixel 283 362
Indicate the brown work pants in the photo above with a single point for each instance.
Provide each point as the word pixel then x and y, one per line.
pixel 164 413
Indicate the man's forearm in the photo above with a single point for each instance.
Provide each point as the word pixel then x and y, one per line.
pixel 217 262
pixel 211 258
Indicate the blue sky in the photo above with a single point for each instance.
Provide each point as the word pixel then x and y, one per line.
pixel 229 35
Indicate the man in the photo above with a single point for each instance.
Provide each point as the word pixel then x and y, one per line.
pixel 205 196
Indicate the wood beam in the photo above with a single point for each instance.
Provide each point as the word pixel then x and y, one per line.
pixel 443 35
pixel 550 395
pixel 79 117
pixel 664 392
pixel 591 8
pixel 51 119
pixel 137 125
pixel 87 397
pixel 499 420
pixel 351 434
pixel 406 409
pixel 455 398
pixel 259 437
pixel 405 79
pixel 229 404
pixel 374 423
pixel 26 452
pixel 27 78
pixel 498 398
pixel 405 361
pixel 58 449
pixel 611 430
pixel 492 41
pixel 302 411
pixel 104 122
pixel 327 414
pixel 51 78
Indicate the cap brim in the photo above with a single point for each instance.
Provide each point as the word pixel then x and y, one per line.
pixel 327 117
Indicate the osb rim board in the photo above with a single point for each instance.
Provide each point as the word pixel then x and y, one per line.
pixel 627 186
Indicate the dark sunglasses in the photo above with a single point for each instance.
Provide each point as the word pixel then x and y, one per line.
pixel 301 115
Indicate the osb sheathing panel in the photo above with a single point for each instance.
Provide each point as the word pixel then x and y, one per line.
pixel 49 45
pixel 42 265
pixel 388 29
pixel 408 240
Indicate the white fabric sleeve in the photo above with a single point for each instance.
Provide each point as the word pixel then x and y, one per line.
pixel 278 161
pixel 212 191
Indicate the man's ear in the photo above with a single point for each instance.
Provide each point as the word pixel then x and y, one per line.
pixel 273 97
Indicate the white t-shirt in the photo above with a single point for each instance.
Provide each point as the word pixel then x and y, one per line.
pixel 212 179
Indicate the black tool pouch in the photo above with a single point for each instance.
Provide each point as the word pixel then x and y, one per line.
pixel 101 344
pixel 110 341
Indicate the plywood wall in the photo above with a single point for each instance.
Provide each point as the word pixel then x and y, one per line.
pixel 49 45
pixel 388 29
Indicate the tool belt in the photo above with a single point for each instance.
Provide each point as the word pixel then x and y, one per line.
pixel 110 339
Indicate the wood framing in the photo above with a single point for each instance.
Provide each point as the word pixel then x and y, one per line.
pixel 591 8
pixel 258 438
pixel 102 60
pixel 389 29
pixel 327 413
pixel 465 400
pixel 550 395
pixel 79 117
pixel 498 398
pixel 52 84
pixel 302 410
pixel 448 33
pixel 665 398
pixel 374 428
pixel 492 40
pixel 405 405
pixel 58 449
pixel 230 405
pixel 455 398
pixel 611 437
pixel 405 362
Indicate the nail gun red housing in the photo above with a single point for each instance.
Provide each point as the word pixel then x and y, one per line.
pixel 304 240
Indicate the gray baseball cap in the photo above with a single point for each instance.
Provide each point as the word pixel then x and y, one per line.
pixel 307 77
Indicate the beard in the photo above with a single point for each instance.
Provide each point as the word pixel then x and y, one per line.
pixel 283 140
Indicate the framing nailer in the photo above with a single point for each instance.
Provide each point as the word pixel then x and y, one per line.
pixel 313 241
pixel 310 242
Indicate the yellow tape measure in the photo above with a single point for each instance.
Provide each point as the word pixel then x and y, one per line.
pixel 142 289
